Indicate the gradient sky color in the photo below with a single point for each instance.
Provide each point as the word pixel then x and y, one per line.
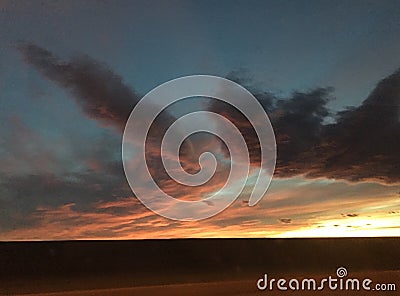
pixel 60 168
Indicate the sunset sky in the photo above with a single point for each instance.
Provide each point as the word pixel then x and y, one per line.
pixel 327 73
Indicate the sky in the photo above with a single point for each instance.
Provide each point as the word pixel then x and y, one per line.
pixel 326 72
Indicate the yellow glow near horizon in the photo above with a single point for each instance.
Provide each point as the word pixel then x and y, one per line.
pixel 375 226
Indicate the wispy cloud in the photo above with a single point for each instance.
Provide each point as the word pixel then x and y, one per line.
pixel 293 208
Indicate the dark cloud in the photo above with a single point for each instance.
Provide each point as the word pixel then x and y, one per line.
pixel 352 215
pixel 100 177
pixel 100 92
pixel 34 172
pixel 297 123
pixel 24 194
pixel 265 98
pixel 362 144
pixel 103 96
pixel 285 220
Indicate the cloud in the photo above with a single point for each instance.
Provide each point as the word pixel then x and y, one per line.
pixel 100 93
pixel 361 145
pixel 350 215
pixel 103 96
pixel 23 150
pixel 285 220
pixel 127 218
pixel 36 171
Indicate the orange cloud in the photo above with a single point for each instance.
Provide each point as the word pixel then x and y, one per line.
pixel 315 208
